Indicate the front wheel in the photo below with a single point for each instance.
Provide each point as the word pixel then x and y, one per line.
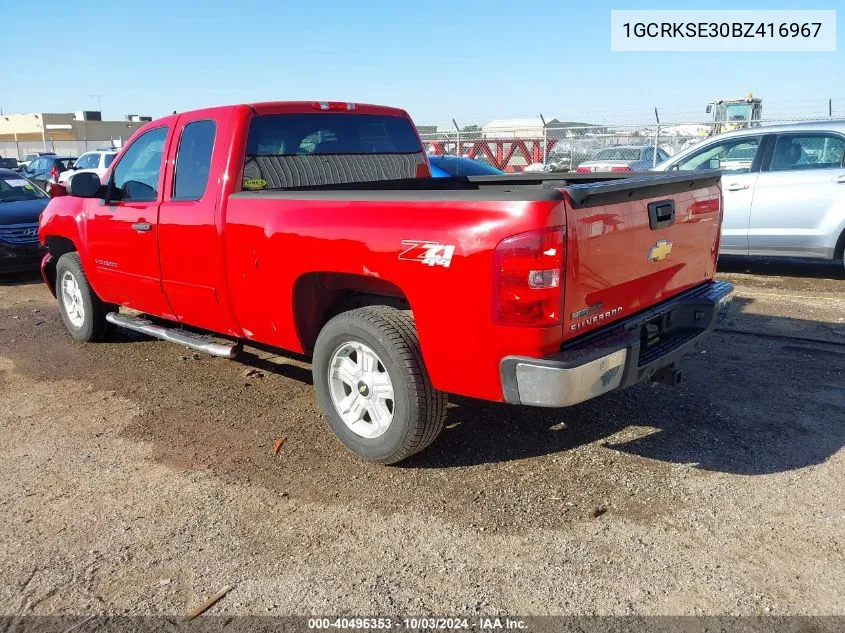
pixel 83 312
pixel 373 386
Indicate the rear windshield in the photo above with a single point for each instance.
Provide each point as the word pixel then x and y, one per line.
pixel 330 133
pixel 283 149
pixel 619 153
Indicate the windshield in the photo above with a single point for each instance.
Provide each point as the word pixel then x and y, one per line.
pixel 733 112
pixel 17 189
pixel 619 153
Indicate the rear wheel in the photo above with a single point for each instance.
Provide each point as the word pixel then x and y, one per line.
pixel 83 312
pixel 373 386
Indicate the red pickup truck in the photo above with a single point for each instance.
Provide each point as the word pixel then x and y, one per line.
pixel 315 228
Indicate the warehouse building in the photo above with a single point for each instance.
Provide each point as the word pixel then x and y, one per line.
pixel 70 133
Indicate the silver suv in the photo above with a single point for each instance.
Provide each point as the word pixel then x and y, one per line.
pixel 783 185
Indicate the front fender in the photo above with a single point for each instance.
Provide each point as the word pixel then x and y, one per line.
pixel 62 229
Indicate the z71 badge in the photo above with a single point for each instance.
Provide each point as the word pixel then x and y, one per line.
pixel 428 253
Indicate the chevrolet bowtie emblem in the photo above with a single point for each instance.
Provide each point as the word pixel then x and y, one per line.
pixel 659 251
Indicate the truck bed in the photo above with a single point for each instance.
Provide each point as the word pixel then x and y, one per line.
pixel 614 264
pixel 583 189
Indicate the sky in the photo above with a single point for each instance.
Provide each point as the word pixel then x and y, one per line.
pixel 468 60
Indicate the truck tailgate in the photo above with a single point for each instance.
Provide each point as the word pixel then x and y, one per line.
pixel 635 242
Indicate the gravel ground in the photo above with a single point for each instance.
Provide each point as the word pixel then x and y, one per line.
pixel 140 478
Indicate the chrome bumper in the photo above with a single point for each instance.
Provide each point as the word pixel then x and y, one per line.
pixel 616 356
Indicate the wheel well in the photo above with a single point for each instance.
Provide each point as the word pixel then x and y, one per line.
pixel 839 249
pixel 317 297
pixel 57 246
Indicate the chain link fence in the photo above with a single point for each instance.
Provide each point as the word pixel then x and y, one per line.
pixel 566 149
pixel 19 149
pixel 536 145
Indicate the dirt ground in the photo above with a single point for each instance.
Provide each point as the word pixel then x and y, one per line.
pixel 138 478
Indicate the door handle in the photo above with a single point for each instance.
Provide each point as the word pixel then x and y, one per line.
pixel 839 179
pixel 736 187
pixel 142 227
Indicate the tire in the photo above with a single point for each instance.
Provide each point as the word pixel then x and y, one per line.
pixel 418 409
pixel 73 291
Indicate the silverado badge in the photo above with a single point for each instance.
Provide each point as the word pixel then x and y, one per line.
pixel 659 251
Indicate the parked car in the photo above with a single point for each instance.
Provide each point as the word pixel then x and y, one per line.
pixel 446 166
pixel 783 187
pixel 28 158
pixel 623 158
pixel 44 170
pixel 333 241
pixel 9 163
pixel 96 162
pixel 21 204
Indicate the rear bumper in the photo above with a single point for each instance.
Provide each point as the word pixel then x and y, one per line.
pixel 618 355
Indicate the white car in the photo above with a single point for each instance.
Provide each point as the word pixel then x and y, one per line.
pixel 96 162
pixel 783 188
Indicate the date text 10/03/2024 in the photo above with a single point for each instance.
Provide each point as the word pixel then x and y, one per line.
pixel 426 624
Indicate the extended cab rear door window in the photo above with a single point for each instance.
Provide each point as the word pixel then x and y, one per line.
pixel 137 174
pixel 193 160
pixel 300 150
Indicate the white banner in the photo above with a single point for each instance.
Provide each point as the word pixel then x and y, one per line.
pixel 722 30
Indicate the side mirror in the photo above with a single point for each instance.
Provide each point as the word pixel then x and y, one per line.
pixel 709 108
pixel 84 185
pixel 714 163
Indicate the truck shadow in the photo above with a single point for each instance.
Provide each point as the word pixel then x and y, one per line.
pixel 765 396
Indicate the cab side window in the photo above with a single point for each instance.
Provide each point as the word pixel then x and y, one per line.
pixel 193 162
pixel 137 173
pixel 735 155
pixel 816 151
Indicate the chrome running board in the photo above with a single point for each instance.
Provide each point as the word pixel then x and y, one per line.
pixel 199 342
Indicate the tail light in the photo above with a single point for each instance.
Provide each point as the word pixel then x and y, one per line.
pixel 54 173
pixel 527 279
pixel 583 170
pixel 621 168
